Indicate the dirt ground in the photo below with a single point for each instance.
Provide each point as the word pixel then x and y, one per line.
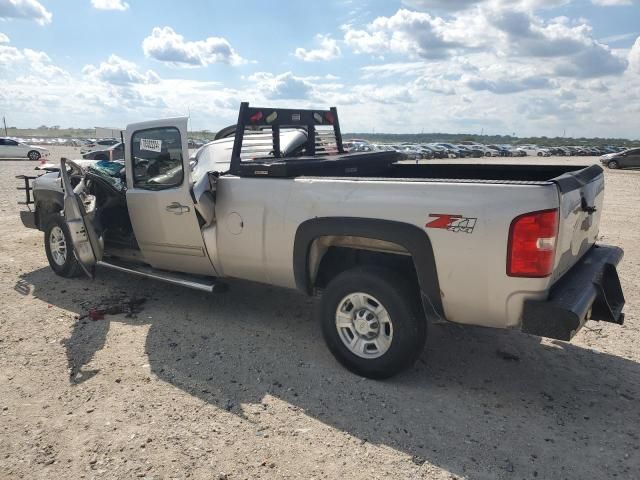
pixel 240 385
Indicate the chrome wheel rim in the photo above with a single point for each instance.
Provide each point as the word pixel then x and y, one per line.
pixel 364 325
pixel 58 246
pixel 33 156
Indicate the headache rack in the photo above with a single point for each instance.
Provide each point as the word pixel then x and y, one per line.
pixel 257 145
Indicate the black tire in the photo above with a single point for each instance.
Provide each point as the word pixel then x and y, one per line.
pixel 34 155
pixel 70 268
pixel 613 164
pixel 401 300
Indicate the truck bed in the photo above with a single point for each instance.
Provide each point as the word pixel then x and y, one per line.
pixel 389 165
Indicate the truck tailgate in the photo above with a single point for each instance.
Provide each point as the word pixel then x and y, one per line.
pixel 581 197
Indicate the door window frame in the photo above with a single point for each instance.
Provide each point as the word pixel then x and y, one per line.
pixel 160 187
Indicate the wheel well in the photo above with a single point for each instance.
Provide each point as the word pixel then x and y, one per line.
pixel 45 211
pixel 325 246
pixel 339 259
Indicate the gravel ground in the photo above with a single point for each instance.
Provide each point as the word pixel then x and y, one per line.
pixel 240 385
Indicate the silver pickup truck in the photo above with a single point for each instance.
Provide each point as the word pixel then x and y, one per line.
pixel 388 244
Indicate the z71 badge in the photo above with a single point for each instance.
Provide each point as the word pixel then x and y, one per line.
pixel 453 223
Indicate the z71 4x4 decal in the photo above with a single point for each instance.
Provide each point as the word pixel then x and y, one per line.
pixel 453 223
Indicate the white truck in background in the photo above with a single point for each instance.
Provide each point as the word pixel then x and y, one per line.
pixel 389 245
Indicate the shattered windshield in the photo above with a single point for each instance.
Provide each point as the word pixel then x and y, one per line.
pixel 112 172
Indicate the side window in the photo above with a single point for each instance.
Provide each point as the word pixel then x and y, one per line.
pixel 12 143
pixel 157 158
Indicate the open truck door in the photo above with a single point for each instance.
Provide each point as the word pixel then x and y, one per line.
pixel 159 197
pixel 88 247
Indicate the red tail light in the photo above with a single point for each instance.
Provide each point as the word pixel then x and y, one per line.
pixel 532 244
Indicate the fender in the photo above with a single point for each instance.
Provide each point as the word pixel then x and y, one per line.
pixel 50 201
pixel 412 238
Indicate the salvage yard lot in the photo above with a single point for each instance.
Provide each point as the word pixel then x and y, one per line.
pixel 240 385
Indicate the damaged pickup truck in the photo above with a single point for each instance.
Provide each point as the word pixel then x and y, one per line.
pixel 389 245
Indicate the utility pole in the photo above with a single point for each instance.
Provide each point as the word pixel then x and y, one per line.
pixel 4 120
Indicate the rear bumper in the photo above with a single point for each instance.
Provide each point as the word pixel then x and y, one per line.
pixel 590 290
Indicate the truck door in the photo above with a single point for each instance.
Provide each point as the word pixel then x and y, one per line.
pixel 159 199
pixel 88 247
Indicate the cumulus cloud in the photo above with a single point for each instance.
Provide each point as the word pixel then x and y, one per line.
pixel 118 71
pixel 415 34
pixel 634 56
pixel 283 86
pixel 494 29
pixel 166 45
pixel 25 9
pixel 509 85
pixel 110 5
pixel 328 50
pixel 3 38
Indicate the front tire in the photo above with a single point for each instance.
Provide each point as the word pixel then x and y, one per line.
pixel 59 249
pixel 372 321
pixel 613 164
pixel 34 155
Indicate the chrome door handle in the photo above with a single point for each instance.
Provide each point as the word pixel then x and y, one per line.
pixel 177 208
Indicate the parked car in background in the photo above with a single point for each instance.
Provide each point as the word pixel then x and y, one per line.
pixel 471 151
pixel 98 145
pixel 114 152
pixel 10 148
pixel 453 150
pixel 535 150
pixel 627 159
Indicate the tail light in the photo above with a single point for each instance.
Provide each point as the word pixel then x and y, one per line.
pixel 532 244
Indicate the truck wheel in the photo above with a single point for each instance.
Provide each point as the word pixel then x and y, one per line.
pixel 372 321
pixel 33 155
pixel 613 164
pixel 57 244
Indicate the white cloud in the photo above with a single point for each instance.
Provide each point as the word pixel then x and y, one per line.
pixel 416 34
pixel 328 50
pixel 502 32
pixel 110 5
pixel 3 38
pixel 165 45
pixel 118 71
pixel 634 57
pixel 27 9
pixel 283 86
pixel 509 84
pixel 611 3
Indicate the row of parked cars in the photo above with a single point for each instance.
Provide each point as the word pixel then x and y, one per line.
pixel 476 150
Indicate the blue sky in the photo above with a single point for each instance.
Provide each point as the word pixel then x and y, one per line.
pixel 529 67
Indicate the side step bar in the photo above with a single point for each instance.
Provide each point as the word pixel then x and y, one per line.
pixel 204 284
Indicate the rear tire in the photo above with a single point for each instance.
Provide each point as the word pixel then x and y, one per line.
pixel 59 249
pixel 34 155
pixel 613 164
pixel 372 321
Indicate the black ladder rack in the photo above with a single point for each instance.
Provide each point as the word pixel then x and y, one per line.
pixel 277 118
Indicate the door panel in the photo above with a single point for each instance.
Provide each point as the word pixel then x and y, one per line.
pixel 633 159
pixel 158 197
pixel 87 246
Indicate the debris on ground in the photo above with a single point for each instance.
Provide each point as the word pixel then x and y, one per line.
pixel 114 305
